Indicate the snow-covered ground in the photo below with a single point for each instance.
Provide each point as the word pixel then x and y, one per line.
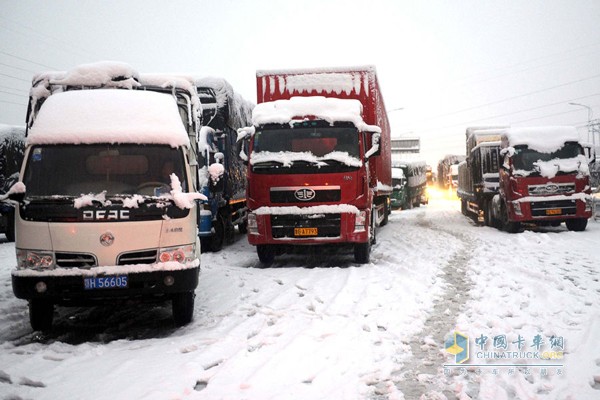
pixel 319 326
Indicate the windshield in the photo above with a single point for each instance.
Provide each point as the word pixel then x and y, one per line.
pixel 525 158
pixel 126 169
pixel 311 144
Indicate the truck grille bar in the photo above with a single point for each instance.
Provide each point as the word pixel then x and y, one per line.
pixel 567 207
pixel 75 260
pixel 138 257
pixel 551 188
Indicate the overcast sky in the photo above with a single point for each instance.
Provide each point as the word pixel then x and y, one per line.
pixel 447 64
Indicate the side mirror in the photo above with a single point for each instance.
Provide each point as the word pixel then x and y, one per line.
pixel 375 149
pixel 16 193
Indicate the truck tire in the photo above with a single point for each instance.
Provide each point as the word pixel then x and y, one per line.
pixel 487 213
pixel 362 252
pixel 463 207
pixel 577 224
pixel 183 308
pixel 215 241
pixel 506 224
pixel 41 314
pixel 10 226
pixel 386 214
pixel 266 253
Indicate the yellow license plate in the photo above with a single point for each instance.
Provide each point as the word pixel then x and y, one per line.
pixel 306 231
pixel 554 211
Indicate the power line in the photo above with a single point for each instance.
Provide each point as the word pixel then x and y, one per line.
pixel 11 94
pixel 14 77
pixel 18 68
pixel 12 102
pixel 26 60
pixel 514 97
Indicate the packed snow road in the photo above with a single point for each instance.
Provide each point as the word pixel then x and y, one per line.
pixel 320 326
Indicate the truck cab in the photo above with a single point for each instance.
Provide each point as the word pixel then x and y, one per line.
pixel 107 199
pixel 544 179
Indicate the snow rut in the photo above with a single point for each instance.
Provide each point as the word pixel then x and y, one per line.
pixel 422 378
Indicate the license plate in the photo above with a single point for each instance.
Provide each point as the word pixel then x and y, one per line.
pixel 306 231
pixel 105 282
pixel 554 211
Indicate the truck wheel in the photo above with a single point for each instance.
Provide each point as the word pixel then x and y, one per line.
pixel 266 254
pixel 576 225
pixel 487 213
pixel 386 214
pixel 183 308
pixel 506 224
pixel 362 252
pixel 41 314
pixel 463 207
pixel 215 242
pixel 10 226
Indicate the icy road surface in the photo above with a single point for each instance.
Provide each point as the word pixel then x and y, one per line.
pixel 322 327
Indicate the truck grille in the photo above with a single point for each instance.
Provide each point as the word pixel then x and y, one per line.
pixel 305 194
pixel 567 207
pixel 327 225
pixel 75 260
pixel 137 257
pixel 551 188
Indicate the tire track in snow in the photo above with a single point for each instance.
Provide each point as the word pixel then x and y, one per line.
pixel 421 378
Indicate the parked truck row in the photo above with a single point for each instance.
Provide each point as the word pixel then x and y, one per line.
pixel 409 180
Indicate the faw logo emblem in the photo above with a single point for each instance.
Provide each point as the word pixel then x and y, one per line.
pixel 304 194
pixel 105 215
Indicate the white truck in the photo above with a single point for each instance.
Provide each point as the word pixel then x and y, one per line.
pixel 107 194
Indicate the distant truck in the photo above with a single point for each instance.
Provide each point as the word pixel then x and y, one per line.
pixel 12 145
pixel 107 199
pixel 222 172
pixel 446 173
pixel 544 179
pixel 411 189
pixel 478 176
pixel 319 161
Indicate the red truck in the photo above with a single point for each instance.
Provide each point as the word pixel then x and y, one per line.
pixel 544 179
pixel 319 161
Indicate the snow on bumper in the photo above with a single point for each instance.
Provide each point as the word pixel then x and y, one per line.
pixel 559 207
pixel 64 285
pixel 342 223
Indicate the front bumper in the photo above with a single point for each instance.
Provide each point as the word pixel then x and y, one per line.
pixel 68 288
pixel 551 208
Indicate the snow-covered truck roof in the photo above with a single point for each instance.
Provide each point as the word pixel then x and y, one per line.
pixel 223 102
pixel 545 139
pixel 328 109
pixel 109 116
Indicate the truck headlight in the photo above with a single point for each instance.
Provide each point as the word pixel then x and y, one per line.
pixel 517 207
pixel 360 221
pixel 34 259
pixel 180 254
pixel 252 224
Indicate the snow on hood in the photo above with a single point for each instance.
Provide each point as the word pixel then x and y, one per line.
pixel 287 158
pixel 182 199
pixel 109 116
pixel 544 139
pixel 326 108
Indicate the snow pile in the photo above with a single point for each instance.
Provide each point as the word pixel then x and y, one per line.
pixel 545 139
pixel 293 210
pixel 182 199
pixel 549 169
pixel 216 172
pixel 326 108
pixel 87 200
pixel 109 116
pixel 101 74
pixel 287 158
pixel 346 80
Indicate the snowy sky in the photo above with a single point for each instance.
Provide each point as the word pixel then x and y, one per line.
pixel 448 65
